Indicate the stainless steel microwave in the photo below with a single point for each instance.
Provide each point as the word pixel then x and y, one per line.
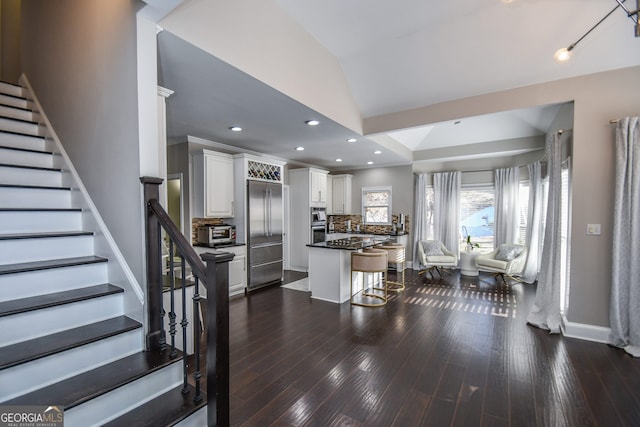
pixel 217 235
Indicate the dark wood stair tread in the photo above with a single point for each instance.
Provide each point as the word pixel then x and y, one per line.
pixel 27 150
pixel 29 122
pixel 21 134
pixel 2 104
pixel 165 410
pixel 45 235
pixel 40 209
pixel 88 385
pixel 40 168
pixel 39 187
pixel 48 264
pixel 24 305
pixel 27 351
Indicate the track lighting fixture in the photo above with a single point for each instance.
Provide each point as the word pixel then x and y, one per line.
pixel 564 54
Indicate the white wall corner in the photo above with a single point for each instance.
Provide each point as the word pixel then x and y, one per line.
pixel 155 10
pixel 585 332
pixel 147 96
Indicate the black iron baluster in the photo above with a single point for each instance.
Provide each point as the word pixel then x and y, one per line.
pixel 197 328
pixel 162 341
pixel 184 323
pixel 172 312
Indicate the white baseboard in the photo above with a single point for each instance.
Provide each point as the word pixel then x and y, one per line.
pixel 585 332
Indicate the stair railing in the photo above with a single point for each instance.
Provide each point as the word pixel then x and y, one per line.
pixel 215 277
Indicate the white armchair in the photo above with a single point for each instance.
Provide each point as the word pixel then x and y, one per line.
pixel 506 260
pixel 435 256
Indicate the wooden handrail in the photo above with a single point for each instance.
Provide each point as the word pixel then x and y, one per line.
pixel 215 277
pixel 185 249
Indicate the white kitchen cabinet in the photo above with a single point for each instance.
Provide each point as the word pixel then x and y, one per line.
pixel 237 266
pixel 341 194
pixel 318 194
pixel 304 184
pixel 329 194
pixel 237 269
pixel 213 195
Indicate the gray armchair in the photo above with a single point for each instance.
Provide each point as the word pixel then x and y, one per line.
pixel 506 260
pixel 435 256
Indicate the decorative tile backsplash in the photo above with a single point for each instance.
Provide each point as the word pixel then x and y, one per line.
pixel 340 224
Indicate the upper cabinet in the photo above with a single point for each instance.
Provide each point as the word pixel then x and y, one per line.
pixel 341 194
pixel 318 195
pixel 212 185
pixel 329 194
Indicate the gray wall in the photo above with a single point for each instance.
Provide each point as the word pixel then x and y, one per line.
pixel 400 178
pixel 80 57
pixel 597 99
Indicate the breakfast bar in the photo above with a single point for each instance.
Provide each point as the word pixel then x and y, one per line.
pixel 330 266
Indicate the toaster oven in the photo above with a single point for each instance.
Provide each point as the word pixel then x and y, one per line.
pixel 216 235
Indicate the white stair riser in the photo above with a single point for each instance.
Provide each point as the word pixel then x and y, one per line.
pixel 117 402
pixel 21 176
pixel 21 127
pixel 13 222
pixel 22 141
pixel 197 419
pixel 14 102
pixel 16 113
pixel 26 158
pixel 34 198
pixel 45 371
pixel 11 89
pixel 29 250
pixel 32 283
pixel 59 318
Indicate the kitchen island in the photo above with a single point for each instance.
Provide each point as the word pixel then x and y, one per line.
pixel 330 266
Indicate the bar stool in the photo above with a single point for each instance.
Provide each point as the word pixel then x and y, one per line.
pixel 370 261
pixel 396 255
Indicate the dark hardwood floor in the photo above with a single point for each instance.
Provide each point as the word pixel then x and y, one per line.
pixel 452 352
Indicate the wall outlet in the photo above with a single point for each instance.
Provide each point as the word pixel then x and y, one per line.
pixel 593 229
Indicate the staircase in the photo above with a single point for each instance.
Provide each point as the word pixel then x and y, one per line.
pixel 64 336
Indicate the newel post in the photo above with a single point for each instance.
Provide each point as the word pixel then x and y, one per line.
pixel 217 337
pixel 156 338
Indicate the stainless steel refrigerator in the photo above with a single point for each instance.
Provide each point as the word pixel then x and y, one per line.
pixel 264 232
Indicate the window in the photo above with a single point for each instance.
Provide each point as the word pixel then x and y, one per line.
pixel 376 205
pixel 477 208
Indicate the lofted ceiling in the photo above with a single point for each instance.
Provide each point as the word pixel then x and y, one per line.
pixel 397 56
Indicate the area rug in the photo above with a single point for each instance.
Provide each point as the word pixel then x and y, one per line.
pixel 298 285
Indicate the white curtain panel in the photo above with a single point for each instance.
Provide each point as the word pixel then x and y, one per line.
pixel 446 206
pixel 625 266
pixel 534 223
pixel 545 312
pixel 507 185
pixel 420 215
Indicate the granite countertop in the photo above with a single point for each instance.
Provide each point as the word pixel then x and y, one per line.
pixel 401 233
pixel 351 244
pixel 200 245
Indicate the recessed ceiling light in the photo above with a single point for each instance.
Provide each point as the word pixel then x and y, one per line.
pixel 235 128
pixel 377 152
pixel 351 140
pixel 312 122
pixel 338 160
pixel 369 162
pixel 300 148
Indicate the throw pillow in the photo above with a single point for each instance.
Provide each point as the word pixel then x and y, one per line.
pixel 432 248
pixel 508 252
